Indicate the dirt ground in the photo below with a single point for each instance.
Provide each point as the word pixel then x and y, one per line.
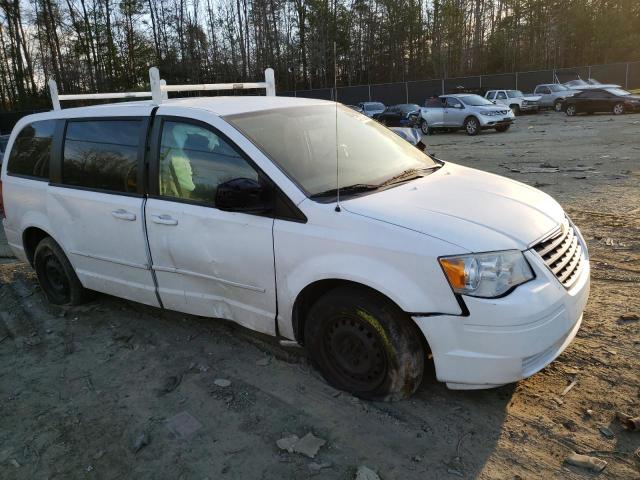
pixel 80 386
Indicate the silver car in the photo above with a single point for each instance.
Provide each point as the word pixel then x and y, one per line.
pixel 372 108
pixel 467 111
pixel 553 95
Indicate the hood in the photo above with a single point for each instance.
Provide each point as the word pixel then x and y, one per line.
pixel 493 108
pixel 635 98
pixel 475 210
pixel 531 98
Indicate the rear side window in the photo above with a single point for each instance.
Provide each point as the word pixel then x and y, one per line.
pixel 32 150
pixel 102 154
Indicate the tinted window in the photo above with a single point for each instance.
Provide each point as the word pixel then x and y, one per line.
pixel 543 90
pixel 491 95
pixel 32 150
pixel 102 154
pixel 452 102
pixel 194 161
pixel 435 102
pixel 501 96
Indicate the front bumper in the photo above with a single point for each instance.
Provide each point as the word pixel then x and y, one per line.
pixel 504 340
pixel 496 121
pixel 530 107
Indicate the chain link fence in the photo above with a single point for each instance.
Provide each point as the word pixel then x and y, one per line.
pixel 625 74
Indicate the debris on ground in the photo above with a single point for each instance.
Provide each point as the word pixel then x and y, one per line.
pixel 316 467
pixel 263 362
pixel 365 473
pixel 170 384
pixel 628 318
pixel 141 441
pixel 584 461
pixel 183 425
pixel 568 388
pixel 607 432
pixel 222 382
pixel 307 445
pixel 628 422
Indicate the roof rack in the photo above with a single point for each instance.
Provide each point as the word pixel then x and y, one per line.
pixel 159 89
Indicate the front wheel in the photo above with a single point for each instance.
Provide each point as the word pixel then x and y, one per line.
pixel 618 109
pixel 472 126
pixel 502 128
pixel 55 273
pixel 364 344
pixel 571 110
pixel 424 127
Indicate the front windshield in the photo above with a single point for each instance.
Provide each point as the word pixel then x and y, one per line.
pixel 302 142
pixel 557 88
pixel 514 94
pixel 474 100
pixel 618 91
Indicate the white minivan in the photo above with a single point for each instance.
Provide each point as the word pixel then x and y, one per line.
pixel 227 207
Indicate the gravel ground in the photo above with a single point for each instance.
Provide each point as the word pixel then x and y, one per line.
pixel 81 389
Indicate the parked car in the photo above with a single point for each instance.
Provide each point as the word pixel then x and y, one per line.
pixel 589 84
pixel 514 99
pixel 614 100
pixel 470 112
pixel 411 135
pixel 357 108
pixel 403 115
pixel 371 108
pixel 227 207
pixel 553 95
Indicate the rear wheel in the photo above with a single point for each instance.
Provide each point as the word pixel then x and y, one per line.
pixel 571 110
pixel 618 109
pixel 502 128
pixel 557 105
pixel 364 344
pixel 472 126
pixel 57 278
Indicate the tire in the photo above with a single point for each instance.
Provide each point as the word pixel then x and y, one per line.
pixel 57 278
pixel 557 105
pixel 502 128
pixel 618 109
pixel 364 344
pixel 424 127
pixel 515 109
pixel 571 110
pixel 472 126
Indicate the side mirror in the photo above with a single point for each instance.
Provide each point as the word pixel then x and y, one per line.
pixel 494 102
pixel 243 195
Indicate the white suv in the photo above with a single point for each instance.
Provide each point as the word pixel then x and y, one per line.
pixel 227 207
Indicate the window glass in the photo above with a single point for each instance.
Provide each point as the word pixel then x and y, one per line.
pixel 434 102
pixel 194 161
pixel 491 95
pixel 544 90
pixel 102 154
pixel 452 102
pixel 501 96
pixel 475 100
pixel 32 150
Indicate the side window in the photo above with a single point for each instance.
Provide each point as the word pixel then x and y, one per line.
pixel 102 154
pixel 491 95
pixel 544 90
pixel 501 96
pixel 31 150
pixel 194 161
pixel 453 102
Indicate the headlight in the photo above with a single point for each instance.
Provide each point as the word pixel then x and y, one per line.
pixel 525 102
pixel 490 113
pixel 486 275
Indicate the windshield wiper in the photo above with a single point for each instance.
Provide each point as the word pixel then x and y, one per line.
pixel 407 175
pixel 356 188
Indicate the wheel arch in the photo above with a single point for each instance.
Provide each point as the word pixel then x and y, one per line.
pixel 312 292
pixel 31 237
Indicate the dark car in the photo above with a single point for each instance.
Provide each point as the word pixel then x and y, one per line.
pixel 614 100
pixel 403 115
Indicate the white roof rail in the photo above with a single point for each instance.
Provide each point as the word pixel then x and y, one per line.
pixel 159 89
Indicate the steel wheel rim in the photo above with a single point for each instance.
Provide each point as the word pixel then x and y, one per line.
pixel 424 127
pixel 355 353
pixel 55 278
pixel 618 109
pixel 571 110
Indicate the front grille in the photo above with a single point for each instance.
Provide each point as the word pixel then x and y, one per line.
pixel 563 254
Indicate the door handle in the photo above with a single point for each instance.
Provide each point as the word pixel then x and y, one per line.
pixel 124 215
pixel 164 219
